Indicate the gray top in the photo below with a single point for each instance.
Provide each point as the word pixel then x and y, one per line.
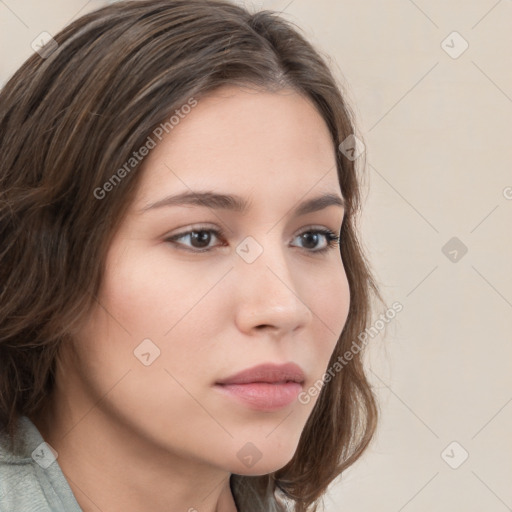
pixel 32 480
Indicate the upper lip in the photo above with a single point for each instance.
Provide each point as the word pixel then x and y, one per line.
pixel 268 372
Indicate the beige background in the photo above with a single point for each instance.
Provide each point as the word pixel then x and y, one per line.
pixel 438 152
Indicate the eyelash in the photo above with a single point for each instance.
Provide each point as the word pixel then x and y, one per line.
pixel 333 240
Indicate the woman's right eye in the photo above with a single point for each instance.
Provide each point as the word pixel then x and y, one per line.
pixel 199 239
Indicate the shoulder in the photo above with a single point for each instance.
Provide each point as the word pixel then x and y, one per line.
pixel 30 477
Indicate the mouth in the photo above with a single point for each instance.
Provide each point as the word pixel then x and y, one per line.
pixel 268 373
pixel 266 387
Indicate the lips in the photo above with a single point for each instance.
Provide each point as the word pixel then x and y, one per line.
pixel 269 373
pixel 267 387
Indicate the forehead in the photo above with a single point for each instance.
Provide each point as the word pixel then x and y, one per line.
pixel 243 140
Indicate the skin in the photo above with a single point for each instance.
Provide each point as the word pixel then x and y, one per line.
pixel 132 437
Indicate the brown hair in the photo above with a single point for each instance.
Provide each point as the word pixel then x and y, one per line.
pixel 69 117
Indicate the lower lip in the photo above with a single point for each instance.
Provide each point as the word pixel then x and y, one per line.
pixel 263 396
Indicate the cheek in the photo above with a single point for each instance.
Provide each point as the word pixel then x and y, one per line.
pixel 141 292
pixel 335 301
pixel 330 306
pixel 146 299
pixel 151 294
pixel 151 297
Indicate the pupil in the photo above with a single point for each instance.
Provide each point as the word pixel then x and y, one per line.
pixel 196 236
pixel 310 237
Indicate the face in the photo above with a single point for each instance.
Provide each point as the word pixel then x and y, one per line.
pixel 196 293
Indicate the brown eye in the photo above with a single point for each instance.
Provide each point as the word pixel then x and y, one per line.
pixel 313 237
pixel 199 239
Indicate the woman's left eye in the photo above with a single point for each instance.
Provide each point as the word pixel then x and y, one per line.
pixel 201 243
pixel 312 236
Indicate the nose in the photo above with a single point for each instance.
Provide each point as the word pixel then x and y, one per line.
pixel 269 295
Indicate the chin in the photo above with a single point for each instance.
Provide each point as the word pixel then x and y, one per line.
pixel 254 462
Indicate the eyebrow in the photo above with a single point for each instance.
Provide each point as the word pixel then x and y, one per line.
pixel 209 199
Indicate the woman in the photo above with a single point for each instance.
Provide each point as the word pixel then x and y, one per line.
pixel 180 269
